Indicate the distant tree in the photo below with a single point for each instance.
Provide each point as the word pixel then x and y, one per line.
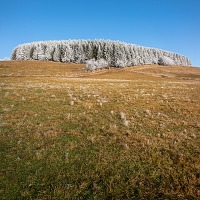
pixel 14 54
pixel 49 52
pixel 57 53
pixel 99 52
pixel 68 54
pixel 115 53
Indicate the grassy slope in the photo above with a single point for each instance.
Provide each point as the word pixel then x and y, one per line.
pixel 63 137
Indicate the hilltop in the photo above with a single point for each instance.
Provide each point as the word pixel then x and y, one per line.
pixel 97 53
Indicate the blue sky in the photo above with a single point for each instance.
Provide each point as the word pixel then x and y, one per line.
pixel 172 25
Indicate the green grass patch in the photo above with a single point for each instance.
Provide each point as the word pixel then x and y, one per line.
pixel 67 126
pixel 69 138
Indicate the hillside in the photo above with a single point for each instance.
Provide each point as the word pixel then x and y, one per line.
pixel 58 69
pixel 118 133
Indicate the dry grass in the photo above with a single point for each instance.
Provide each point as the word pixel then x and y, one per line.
pixel 128 133
pixel 39 68
pixel 154 72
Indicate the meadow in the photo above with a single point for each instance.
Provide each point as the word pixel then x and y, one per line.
pixel 127 133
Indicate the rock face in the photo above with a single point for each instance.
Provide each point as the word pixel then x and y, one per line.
pixel 114 53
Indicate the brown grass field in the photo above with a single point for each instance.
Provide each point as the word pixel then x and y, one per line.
pixel 126 133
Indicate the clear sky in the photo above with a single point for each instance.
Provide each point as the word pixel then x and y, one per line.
pixel 172 25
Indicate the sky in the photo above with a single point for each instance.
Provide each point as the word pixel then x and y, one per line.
pixel 172 25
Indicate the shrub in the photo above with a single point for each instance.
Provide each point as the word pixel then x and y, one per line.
pixel 165 61
pixel 93 64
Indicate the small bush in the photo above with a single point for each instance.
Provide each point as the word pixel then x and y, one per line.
pixel 93 64
pixel 165 61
